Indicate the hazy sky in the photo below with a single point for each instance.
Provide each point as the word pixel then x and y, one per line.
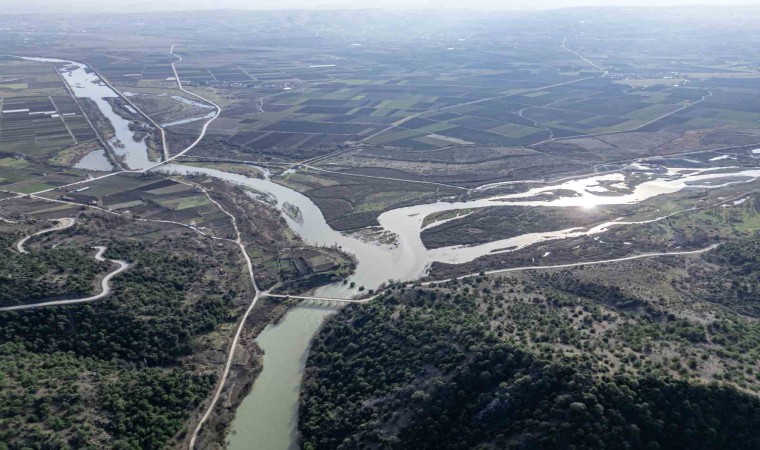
pixel 142 5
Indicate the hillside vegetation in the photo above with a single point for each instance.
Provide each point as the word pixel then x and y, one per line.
pixel 561 359
pixel 122 372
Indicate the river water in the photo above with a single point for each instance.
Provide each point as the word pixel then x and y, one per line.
pixel 86 84
pixel 267 418
pixel 95 160
pixel 410 260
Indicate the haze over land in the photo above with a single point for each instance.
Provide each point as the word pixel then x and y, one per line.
pixel 77 6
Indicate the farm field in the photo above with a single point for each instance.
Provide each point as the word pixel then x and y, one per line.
pixel 39 119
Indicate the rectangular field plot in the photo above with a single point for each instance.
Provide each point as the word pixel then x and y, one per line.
pixel 22 177
pixel 424 97
pixel 25 78
pixel 149 198
pixel 32 126
pixel 38 117
pixel 158 72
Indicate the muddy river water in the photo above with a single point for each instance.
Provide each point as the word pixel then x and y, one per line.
pixel 409 259
pixel 267 417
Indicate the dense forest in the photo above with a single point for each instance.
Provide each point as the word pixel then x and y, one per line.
pixel 44 273
pixel 444 367
pixel 116 373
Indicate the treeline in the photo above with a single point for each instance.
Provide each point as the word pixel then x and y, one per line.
pixel 146 320
pixel 420 369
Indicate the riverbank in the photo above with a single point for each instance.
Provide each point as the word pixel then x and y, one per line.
pixel 246 369
pixel 84 83
pixel 267 417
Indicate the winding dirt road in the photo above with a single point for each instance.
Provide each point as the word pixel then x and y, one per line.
pixel 203 99
pixel 167 157
pixel 64 223
pixel 105 284
pixel 233 345
pixel 580 264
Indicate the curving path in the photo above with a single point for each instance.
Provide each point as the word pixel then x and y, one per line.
pixel 105 285
pixel 64 223
pixel 205 126
pixel 238 241
pixel 579 264
pixel 167 158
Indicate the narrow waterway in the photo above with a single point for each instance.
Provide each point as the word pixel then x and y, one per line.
pixel 267 418
pixel 86 84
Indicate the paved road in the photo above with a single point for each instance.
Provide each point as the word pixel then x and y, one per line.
pixel 105 287
pixel 62 225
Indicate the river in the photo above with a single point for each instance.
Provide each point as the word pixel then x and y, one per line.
pixel 410 260
pixel 267 418
pixel 87 84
